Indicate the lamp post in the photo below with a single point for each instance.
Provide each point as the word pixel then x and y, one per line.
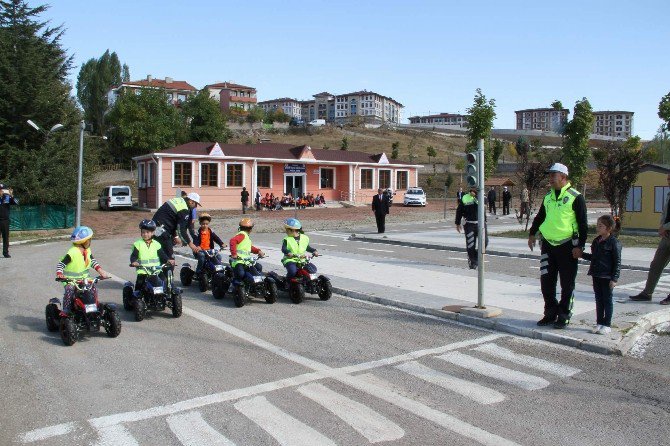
pixel 82 126
pixel 55 128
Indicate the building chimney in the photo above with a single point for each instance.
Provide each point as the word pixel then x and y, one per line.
pixel 168 80
pixel 149 78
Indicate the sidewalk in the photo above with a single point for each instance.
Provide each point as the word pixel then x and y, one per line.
pixel 520 301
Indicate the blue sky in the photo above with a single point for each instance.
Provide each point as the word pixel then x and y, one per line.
pixel 429 55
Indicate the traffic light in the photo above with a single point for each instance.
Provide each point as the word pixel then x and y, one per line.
pixel 471 173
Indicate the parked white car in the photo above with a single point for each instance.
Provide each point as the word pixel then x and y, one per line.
pixel 115 197
pixel 317 122
pixel 415 196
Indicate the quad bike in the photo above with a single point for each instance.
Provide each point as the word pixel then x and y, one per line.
pixel 255 284
pixel 87 313
pixel 214 275
pixel 305 281
pixel 157 293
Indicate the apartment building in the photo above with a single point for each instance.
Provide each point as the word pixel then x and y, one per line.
pixel 616 124
pixel 544 119
pixel 368 104
pixel 440 119
pixel 231 95
pixel 176 91
pixel 290 107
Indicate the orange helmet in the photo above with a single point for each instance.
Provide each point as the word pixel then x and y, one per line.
pixel 246 223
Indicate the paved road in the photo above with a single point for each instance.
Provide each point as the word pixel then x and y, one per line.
pixel 336 372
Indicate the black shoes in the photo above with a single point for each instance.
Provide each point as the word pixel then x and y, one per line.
pixel 561 323
pixel 665 301
pixel 640 297
pixel 7 255
pixel 547 320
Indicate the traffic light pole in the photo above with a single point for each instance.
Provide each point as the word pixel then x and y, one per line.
pixel 481 215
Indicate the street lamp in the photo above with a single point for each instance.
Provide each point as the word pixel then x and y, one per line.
pixel 40 129
pixel 82 127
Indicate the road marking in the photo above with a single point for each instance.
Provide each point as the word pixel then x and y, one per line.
pixel 369 423
pixel 378 250
pixel 527 361
pixel 324 244
pixel 474 391
pixel 387 393
pixel 116 435
pixel 47 432
pixel 518 379
pixel 283 427
pixel 457 258
pixel 192 430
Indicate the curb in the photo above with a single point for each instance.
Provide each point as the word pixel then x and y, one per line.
pixel 40 239
pixel 354 237
pixel 620 349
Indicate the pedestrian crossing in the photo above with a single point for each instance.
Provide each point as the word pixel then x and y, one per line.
pixel 356 399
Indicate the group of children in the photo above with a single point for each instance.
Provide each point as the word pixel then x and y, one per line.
pixel 605 257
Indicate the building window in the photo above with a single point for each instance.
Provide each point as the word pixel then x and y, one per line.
pixel 384 179
pixel 401 180
pixel 634 201
pixel 660 197
pixel 263 176
pixel 209 174
pixel 327 178
pixel 141 178
pixel 151 169
pixel 366 178
pixel 183 174
pixel 234 175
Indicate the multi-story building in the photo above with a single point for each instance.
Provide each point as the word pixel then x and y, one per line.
pixel 176 91
pixel 290 107
pixel 617 124
pixel 545 119
pixel 231 95
pixel 440 119
pixel 368 104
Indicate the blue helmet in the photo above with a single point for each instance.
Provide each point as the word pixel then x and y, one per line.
pixel 292 223
pixel 81 234
pixel 148 224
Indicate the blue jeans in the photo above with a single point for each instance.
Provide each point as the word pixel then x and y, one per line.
pixel 240 271
pixel 292 269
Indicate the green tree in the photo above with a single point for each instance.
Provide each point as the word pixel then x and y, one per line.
pixel 531 173
pixel 657 150
pixel 430 151
pixel 204 119
pixel 411 155
pixel 95 79
pixel 33 85
pixel 618 165
pixel 256 114
pixel 557 105
pixel 497 150
pixel 480 123
pixel 395 148
pixel 345 144
pixel 125 73
pixel 576 140
pixel 143 123
pixel 664 110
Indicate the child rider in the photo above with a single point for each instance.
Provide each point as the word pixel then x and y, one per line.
pixel 241 250
pixel 205 239
pixel 147 252
pixel 294 245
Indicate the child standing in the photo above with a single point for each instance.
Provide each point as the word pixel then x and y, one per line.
pixel 605 266
pixel 76 263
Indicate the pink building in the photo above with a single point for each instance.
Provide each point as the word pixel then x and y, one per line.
pixel 219 171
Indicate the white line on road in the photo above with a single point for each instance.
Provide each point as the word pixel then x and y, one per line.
pixel 284 428
pixel 324 244
pixel 518 379
pixel 192 430
pixel 116 435
pixel 474 391
pixel 47 432
pixel 527 361
pixel 378 250
pixel 369 423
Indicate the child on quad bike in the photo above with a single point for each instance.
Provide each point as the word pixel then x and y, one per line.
pixel 241 249
pixel 76 263
pixel 147 252
pixel 205 239
pixel 294 245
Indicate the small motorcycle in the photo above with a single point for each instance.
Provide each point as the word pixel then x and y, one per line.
pixel 156 294
pixel 215 275
pixel 87 313
pixel 305 281
pixel 254 284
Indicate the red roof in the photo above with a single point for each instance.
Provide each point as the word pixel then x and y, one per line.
pixel 229 85
pixel 276 151
pixel 160 83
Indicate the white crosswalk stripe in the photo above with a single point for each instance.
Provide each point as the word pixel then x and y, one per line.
pixel 116 435
pixel 369 423
pixel 527 361
pixel 192 430
pixel 282 426
pixel 474 391
pixel 522 380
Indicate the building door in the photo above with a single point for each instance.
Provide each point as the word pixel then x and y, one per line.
pixel 294 182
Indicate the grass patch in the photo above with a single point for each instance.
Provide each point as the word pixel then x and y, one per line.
pixel 630 240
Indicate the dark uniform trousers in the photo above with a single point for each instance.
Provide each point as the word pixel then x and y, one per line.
pixel 557 261
pixel 471 231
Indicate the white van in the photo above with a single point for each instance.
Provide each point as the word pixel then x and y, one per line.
pixel 317 122
pixel 115 197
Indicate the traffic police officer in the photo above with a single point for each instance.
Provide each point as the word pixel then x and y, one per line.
pixel 172 219
pixel 562 222
pixel 467 208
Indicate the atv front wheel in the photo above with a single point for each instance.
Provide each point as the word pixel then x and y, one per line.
pixel 239 296
pixel 326 290
pixel 112 324
pixel 128 298
pixel 68 332
pixel 202 282
pixel 219 288
pixel 271 296
pixel 297 292
pixel 140 310
pixel 52 316
pixel 176 305
pixel 186 276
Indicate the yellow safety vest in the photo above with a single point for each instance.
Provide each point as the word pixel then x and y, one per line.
pixel 560 222
pixel 177 204
pixel 243 250
pixel 295 247
pixel 78 267
pixel 147 255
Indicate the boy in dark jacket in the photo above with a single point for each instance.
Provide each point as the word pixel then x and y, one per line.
pixel 205 239
pixel 605 266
